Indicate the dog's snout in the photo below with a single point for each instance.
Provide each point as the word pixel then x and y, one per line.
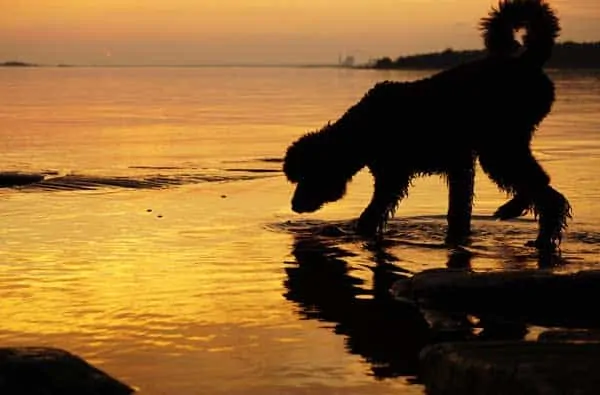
pixel 302 203
pixel 302 207
pixel 297 209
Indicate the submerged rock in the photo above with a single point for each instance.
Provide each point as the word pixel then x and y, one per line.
pixel 519 367
pixel 51 371
pixel 570 336
pixel 502 305
pixel 15 179
pixel 530 296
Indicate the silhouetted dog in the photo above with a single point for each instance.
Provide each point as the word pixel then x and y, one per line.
pixel 486 109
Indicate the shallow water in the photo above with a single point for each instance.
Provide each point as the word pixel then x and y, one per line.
pixel 161 246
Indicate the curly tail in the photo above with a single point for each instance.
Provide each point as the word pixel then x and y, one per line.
pixel 535 16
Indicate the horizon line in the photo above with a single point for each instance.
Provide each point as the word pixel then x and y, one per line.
pixel 307 65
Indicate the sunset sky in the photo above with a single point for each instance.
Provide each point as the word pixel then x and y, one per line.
pixel 251 31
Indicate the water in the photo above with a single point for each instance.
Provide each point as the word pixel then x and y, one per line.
pixel 162 249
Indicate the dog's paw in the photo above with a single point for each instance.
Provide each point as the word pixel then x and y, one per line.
pixel 368 227
pixel 514 208
pixel 543 244
pixel 454 241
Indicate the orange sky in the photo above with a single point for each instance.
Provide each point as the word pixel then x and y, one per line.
pixel 250 31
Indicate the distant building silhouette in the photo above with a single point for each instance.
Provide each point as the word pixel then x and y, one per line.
pixel 347 61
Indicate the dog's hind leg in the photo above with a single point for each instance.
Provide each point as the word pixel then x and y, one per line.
pixel 388 190
pixel 515 170
pixel 460 205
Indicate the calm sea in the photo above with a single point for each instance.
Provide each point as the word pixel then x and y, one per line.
pixel 161 247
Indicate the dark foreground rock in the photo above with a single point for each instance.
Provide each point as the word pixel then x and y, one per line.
pixel 50 371
pixel 511 368
pixel 15 179
pixel 529 296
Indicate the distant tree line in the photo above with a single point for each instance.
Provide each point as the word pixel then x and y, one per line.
pixel 567 55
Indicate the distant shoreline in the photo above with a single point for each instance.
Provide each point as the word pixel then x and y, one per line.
pixel 231 65
pixel 14 63
pixel 567 55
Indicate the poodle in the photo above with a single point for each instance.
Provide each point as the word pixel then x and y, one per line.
pixel 486 110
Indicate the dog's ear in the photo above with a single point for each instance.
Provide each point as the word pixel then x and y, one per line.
pixel 301 155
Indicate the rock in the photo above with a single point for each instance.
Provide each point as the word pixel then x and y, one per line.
pixel 518 367
pixel 51 371
pixel 572 335
pixel 15 179
pixel 529 296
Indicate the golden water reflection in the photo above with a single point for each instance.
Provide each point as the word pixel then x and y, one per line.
pixel 161 298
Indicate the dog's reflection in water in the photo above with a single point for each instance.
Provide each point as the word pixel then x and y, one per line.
pixel 387 334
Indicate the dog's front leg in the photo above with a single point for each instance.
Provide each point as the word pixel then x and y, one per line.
pixel 460 205
pixel 387 192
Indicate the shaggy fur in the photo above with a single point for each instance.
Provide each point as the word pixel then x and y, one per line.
pixel 487 110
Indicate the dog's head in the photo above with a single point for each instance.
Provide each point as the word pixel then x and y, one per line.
pixel 313 166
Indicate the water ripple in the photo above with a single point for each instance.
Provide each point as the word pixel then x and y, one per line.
pixel 31 182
